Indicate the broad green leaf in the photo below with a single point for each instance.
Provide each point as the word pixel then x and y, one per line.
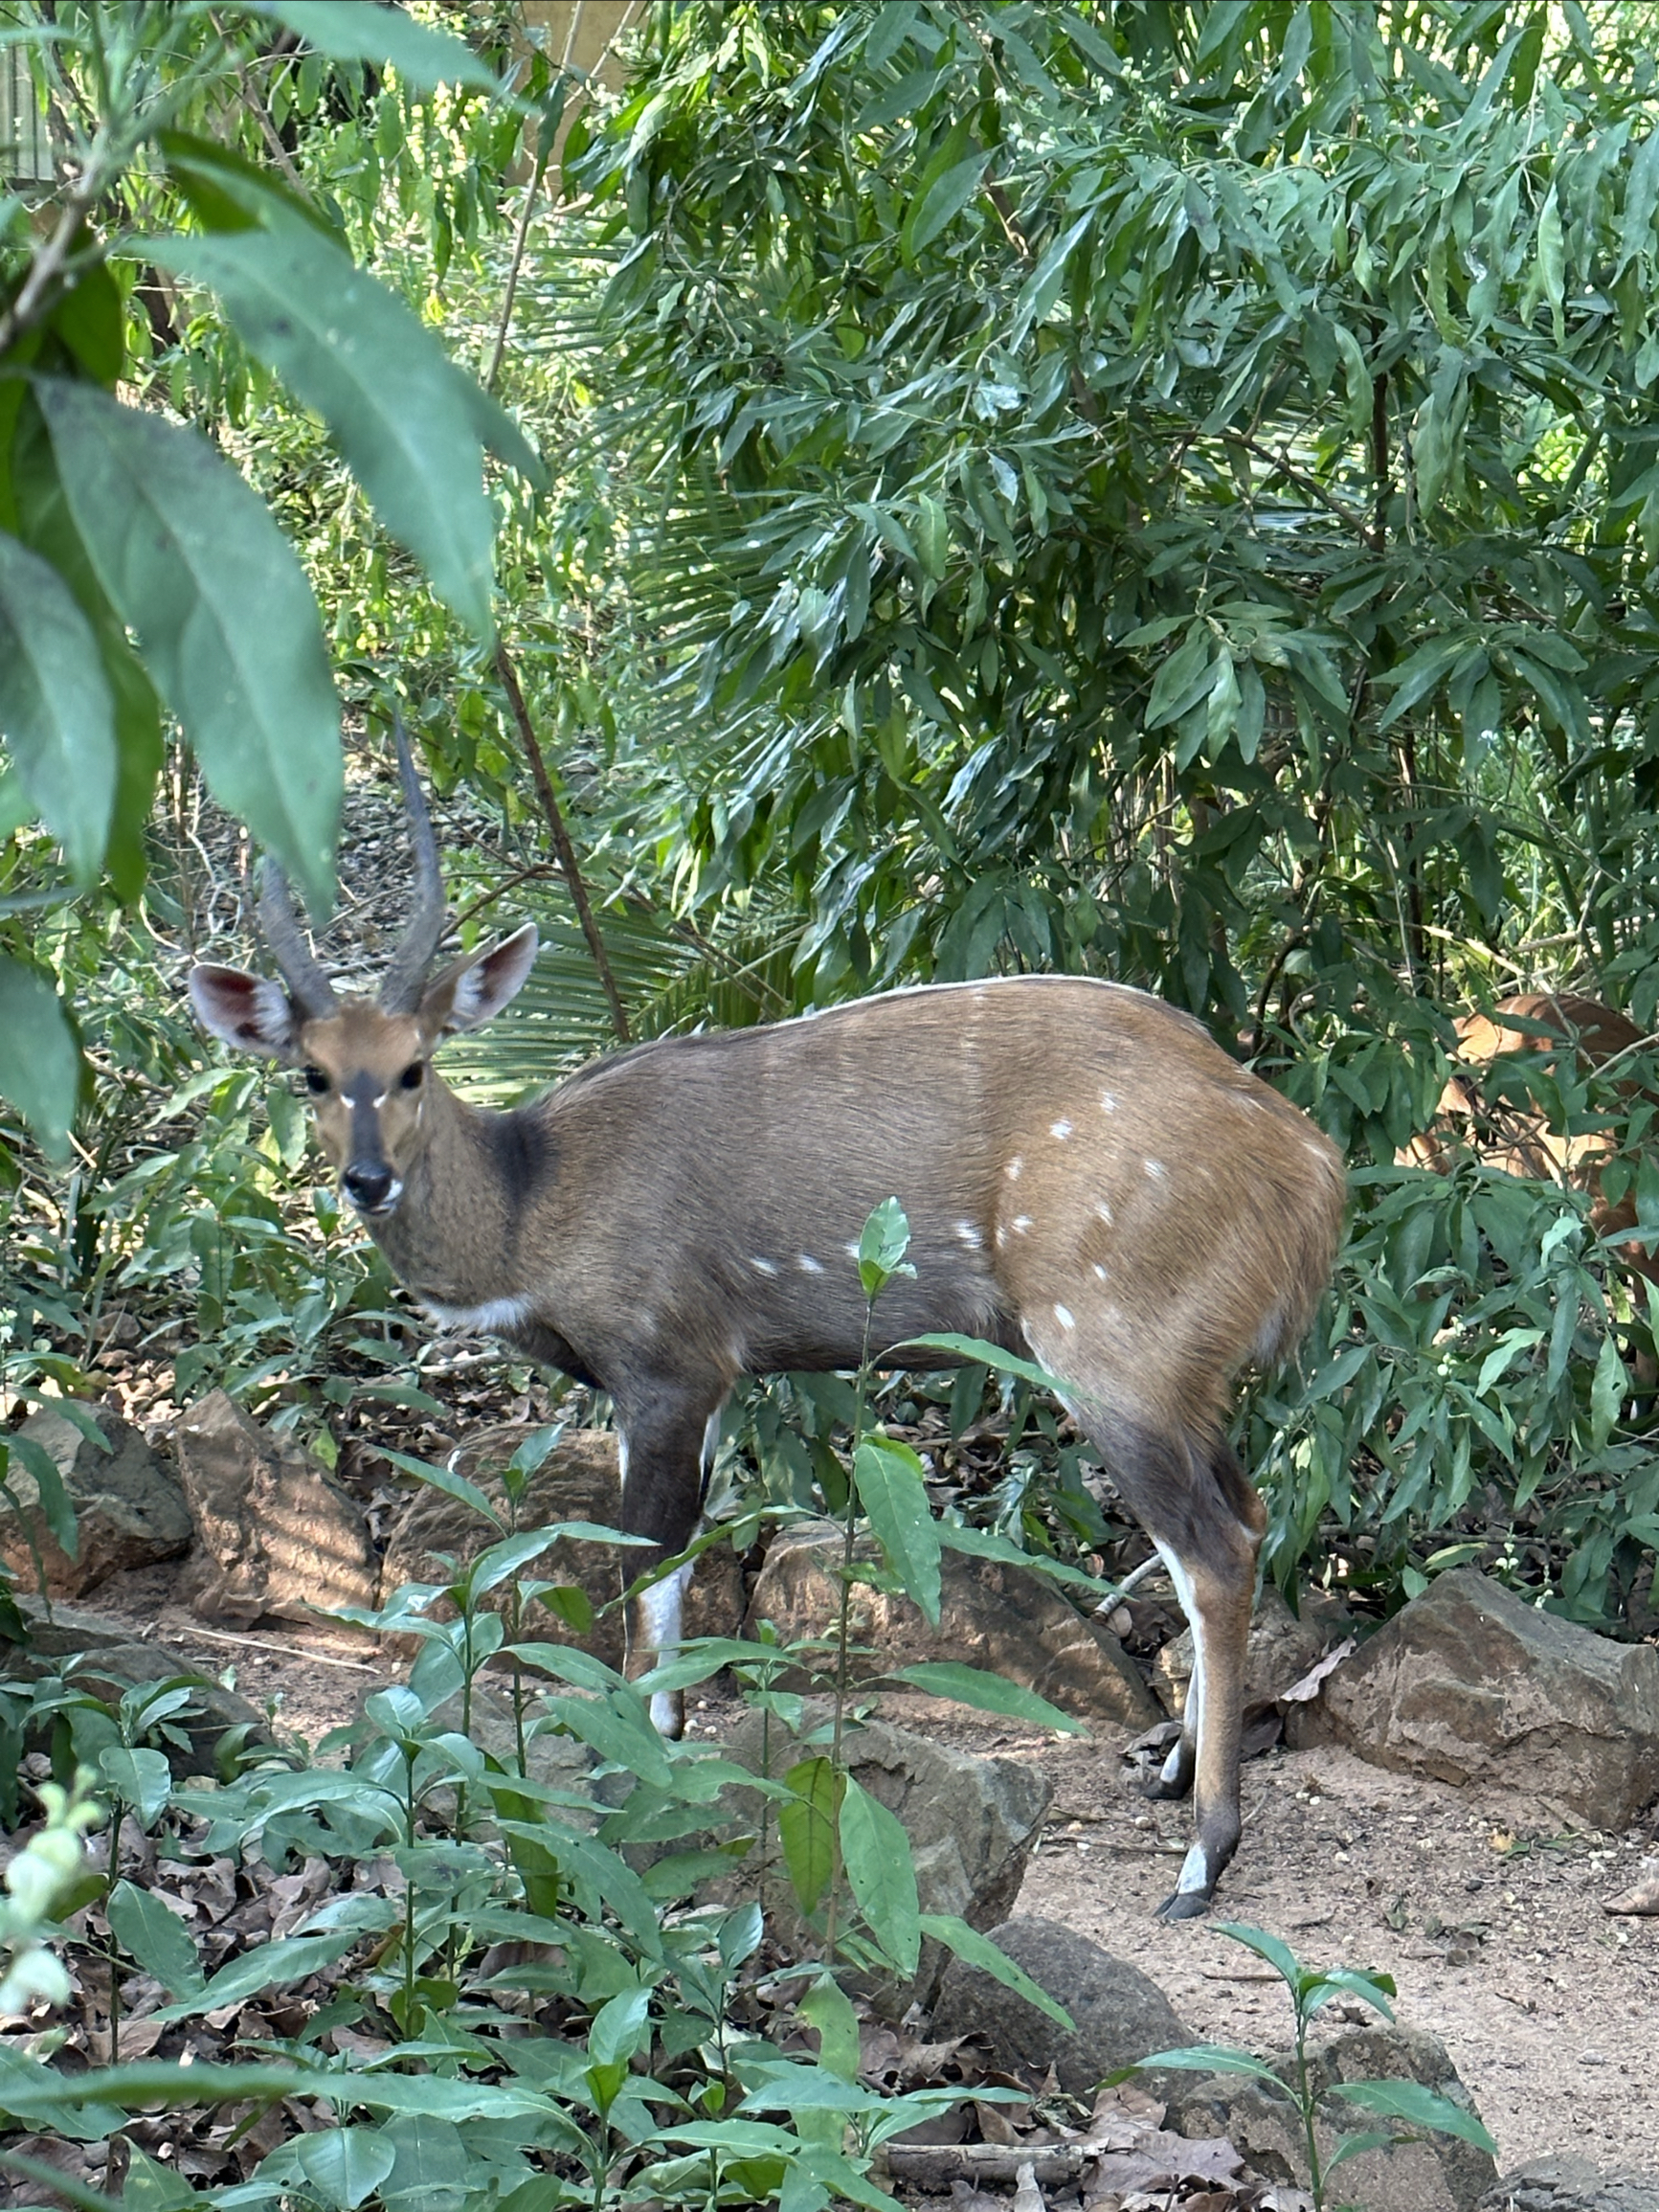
pixel 1607 1388
pixel 987 1693
pixel 347 30
pixel 39 1062
pixel 985 1543
pixel 452 1484
pixel 895 1495
pixel 1421 2108
pixel 143 1780
pixel 1278 1954
pixel 621 2028
pixel 192 560
pixel 881 1869
pixel 988 1355
pixel 938 203
pixel 827 2007
pixel 157 2082
pixel 975 1950
pixel 806 1829
pixel 883 1243
pixel 57 1506
pixel 392 398
pixel 56 715
pixel 345 2165
pixel 157 1938
pixel 619 1730
pixel 290 1959
pixel 1206 2059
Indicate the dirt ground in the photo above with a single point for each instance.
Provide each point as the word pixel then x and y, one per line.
pixel 1487 1911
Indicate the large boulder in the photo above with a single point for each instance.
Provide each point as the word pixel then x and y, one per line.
pixel 1120 2017
pixel 1010 1622
pixel 1571 2185
pixel 280 1538
pixel 129 1508
pixel 1281 1650
pixel 971 1821
pixel 1468 1683
pixel 1437 2173
pixel 578 1481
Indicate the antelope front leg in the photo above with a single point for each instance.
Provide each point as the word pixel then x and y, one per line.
pixel 661 1447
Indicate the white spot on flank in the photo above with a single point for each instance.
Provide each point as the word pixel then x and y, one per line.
pixel 808 1265
pixel 377 1103
pixel 1022 1223
pixel 1108 1102
pixel 1104 1210
pixel 492 1313
pixel 1156 1170
pixel 969 1235
pixel 1012 1170
pixel 1001 1239
pixel 1059 1129
pixel 763 1266
pixel 1065 1317
pixel 1100 1271
pixel 851 1250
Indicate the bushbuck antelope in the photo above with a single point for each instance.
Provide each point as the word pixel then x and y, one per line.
pixel 1517 1137
pixel 1087 1176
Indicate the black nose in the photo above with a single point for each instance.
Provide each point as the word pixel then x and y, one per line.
pixel 367 1183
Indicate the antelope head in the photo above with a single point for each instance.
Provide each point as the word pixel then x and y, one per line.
pixel 366 1061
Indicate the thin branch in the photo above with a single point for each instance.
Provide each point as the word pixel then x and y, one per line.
pixel 561 837
pixel 35 296
pixel 544 155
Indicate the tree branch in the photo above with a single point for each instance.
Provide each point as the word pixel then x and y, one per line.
pixel 561 837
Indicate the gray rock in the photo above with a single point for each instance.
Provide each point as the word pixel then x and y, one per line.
pixel 998 1617
pixel 1571 2185
pixel 280 1538
pixel 578 1481
pixel 972 1823
pixel 129 1508
pixel 1120 2016
pixel 1435 2174
pixel 1470 1684
pixel 1281 1650
pixel 114 1663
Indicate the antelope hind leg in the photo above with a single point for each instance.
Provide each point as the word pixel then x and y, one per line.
pixel 662 1445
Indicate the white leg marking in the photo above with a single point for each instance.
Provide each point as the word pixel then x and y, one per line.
pixel 661 1611
pixel 1195 1871
pixel 1193 1720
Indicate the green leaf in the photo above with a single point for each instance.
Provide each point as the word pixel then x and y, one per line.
pixel 940 202
pixel 345 2165
pixel 288 1959
pixel 883 1243
pixel 55 1504
pixel 158 2082
pixel 451 1485
pixel 56 715
pixel 894 1495
pixel 806 1828
pixel 827 2007
pixel 347 30
pixel 1421 2108
pixel 621 2028
pixel 392 399
pixel 141 1779
pixel 619 1730
pixel 987 1693
pixel 1607 1389
pixel 988 1355
pixel 192 560
pixel 1208 2059
pixel 1278 1954
pixel 155 1938
pixel 40 1062
pixel 881 1869
pixel 975 1950
pixel 984 1543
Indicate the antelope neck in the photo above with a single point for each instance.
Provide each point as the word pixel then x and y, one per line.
pixel 457 1237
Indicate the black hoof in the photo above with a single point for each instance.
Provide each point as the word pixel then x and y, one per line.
pixel 1160 1792
pixel 1184 1905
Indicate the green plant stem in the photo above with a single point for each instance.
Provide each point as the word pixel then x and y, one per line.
pixel 1315 2172
pixel 849 1532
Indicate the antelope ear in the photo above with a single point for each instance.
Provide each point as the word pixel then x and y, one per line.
pixel 247 1011
pixel 474 991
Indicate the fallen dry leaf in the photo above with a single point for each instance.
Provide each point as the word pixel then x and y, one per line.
pixel 1306 1689
pixel 1644 1898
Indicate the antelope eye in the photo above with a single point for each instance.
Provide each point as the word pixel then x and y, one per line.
pixel 316 1082
pixel 410 1077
